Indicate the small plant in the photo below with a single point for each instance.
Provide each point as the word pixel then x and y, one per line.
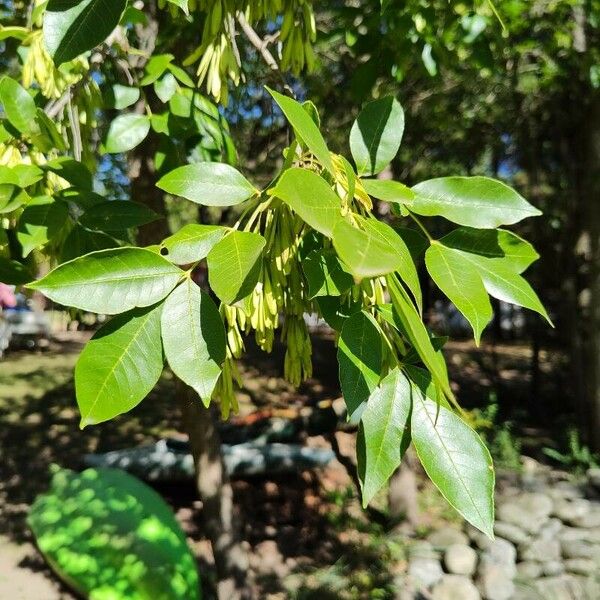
pixel 577 457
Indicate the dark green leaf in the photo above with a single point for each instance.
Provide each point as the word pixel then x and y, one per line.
pixel 493 243
pixel 194 338
pixel 76 173
pixel 335 310
pixel 111 281
pixel 234 265
pixel 208 183
pixel 117 215
pixel 311 197
pixel 460 281
pixel 384 434
pixel 119 366
pixel 81 241
pixel 360 360
pixel 412 326
pixel 455 459
pixel 325 274
pixel 473 201
pixel 13 272
pixel 305 128
pixel 126 132
pixel 376 135
pixel 72 27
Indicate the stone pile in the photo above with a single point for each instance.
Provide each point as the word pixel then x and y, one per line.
pixel 547 546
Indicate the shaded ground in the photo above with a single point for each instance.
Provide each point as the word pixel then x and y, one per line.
pixel 304 531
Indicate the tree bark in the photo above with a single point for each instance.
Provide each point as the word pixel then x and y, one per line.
pixel 216 493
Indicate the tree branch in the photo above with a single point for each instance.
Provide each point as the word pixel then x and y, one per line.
pixel 263 50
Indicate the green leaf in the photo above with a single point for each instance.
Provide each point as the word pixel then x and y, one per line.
pixel 388 190
pixel 473 201
pixel 376 135
pixel 27 174
pixel 461 282
pixel 191 243
pixel 126 132
pixel 49 131
pixel 234 265
pixel 111 281
pixel 325 274
pixel 193 338
pixel 72 27
pixel 121 96
pixel 155 67
pixel 412 326
pixel 180 73
pixel 75 172
pixel 13 272
pixel 360 360
pixel 305 128
pixel 117 215
pixel 375 250
pixel 384 433
pixel 19 106
pixel 165 87
pixel 119 366
pixel 455 459
pixel 335 310
pixel 505 283
pixel 493 243
pixel 12 198
pixel 208 183
pixel 81 241
pixel 40 222
pixel 311 197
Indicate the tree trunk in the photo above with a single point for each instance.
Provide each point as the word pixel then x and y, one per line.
pixel 591 332
pixel 212 483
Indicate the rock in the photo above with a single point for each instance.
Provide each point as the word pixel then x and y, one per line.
pixel 540 549
pixel 422 549
pixel 455 587
pixel 478 538
pixel 550 529
pixel 593 476
pixel 510 532
pixel 571 510
pixel 563 587
pixel 528 511
pixel 446 536
pixel 502 554
pixel 564 490
pixel 591 520
pixel 425 572
pixel 580 549
pixel 580 566
pixel 460 559
pixel 568 535
pixel 494 583
pixel 403 589
pixel 529 569
pixel 553 567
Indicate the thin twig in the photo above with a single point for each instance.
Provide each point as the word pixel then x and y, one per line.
pixel 263 50
pixel 53 109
